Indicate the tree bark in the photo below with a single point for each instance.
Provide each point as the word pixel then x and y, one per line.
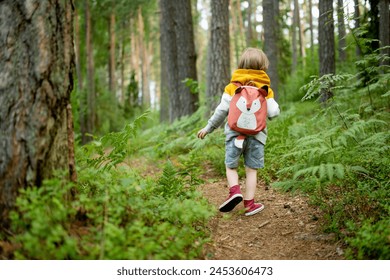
pixel 271 26
pixel 326 42
pixel 219 53
pixel 186 56
pixel 180 58
pixel 169 51
pixel 36 79
pixel 341 29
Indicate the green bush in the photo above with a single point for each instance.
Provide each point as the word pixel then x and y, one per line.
pixel 370 241
pixel 338 153
pixel 117 213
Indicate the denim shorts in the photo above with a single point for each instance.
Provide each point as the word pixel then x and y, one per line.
pixel 252 150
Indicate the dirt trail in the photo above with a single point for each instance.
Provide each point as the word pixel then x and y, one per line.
pixel 287 229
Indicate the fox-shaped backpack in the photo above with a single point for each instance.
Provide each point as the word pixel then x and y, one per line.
pixel 248 111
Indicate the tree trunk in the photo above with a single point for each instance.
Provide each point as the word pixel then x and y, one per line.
pixel 326 42
pixel 80 91
pixel 144 61
pixel 235 54
pixel 357 26
pixel 249 33
pixel 169 51
pixel 135 59
pixel 219 53
pixel 373 24
pixel 164 44
pixel 177 39
pixel 186 56
pixel 270 14
pixel 311 31
pixel 294 37
pixel 384 29
pixel 111 60
pixel 36 79
pixel 341 29
pixel 300 30
pixel 91 95
pixel 122 65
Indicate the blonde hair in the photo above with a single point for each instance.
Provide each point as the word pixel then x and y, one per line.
pixel 253 58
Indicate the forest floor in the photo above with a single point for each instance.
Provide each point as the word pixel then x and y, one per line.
pixel 287 229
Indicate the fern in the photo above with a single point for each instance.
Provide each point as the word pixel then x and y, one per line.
pixel 113 148
pixel 326 82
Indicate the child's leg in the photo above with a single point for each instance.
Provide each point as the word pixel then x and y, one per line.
pixel 232 176
pixel 251 183
pixel 235 196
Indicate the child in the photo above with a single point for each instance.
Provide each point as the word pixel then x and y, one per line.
pixel 251 69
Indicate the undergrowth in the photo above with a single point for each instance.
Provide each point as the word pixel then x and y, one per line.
pixel 118 212
pixel 339 155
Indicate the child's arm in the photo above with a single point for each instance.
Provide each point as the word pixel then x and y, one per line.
pixel 272 108
pixel 218 117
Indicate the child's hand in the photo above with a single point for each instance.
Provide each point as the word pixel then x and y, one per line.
pixel 202 133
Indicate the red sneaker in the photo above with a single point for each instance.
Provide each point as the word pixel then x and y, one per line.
pixel 235 197
pixel 252 207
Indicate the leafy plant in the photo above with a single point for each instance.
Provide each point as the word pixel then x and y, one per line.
pixel 112 148
pixel 118 213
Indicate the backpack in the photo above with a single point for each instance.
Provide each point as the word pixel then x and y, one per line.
pixel 248 111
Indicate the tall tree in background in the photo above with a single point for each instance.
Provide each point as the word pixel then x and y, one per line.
pixel 179 63
pixel 357 26
pixel 300 30
pixel 218 53
pixel 36 69
pixel 111 46
pixel 373 24
pixel 166 37
pixel 311 30
pixel 294 36
pixel 237 28
pixel 169 70
pixel 384 29
pixel 186 57
pixel 80 89
pixel 326 42
pixel 341 30
pixel 271 26
pixel 249 34
pixel 91 94
pixel 144 60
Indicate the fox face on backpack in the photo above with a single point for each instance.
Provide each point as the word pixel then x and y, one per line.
pixel 248 109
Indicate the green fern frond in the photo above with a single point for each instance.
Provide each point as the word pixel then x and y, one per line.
pixel 326 82
pixel 112 148
pixel 323 172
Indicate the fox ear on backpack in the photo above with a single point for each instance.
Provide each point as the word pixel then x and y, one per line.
pixel 239 89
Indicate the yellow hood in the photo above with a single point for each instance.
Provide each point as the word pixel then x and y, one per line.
pixel 243 76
